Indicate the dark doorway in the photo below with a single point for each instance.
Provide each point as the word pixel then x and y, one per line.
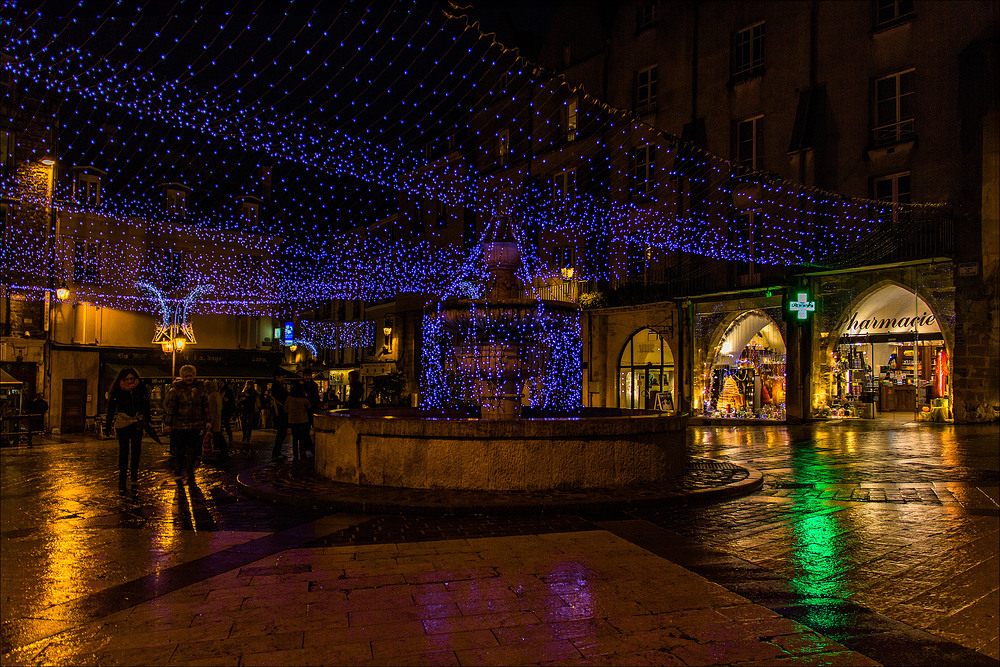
pixel 74 406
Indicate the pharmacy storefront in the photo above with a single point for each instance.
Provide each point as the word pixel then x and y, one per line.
pixel 887 354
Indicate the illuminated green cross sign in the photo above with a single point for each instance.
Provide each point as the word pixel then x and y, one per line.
pixel 802 306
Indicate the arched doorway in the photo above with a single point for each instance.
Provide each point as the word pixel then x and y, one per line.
pixel 890 352
pixel 747 379
pixel 646 373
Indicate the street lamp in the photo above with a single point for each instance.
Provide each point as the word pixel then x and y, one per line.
pixel 172 345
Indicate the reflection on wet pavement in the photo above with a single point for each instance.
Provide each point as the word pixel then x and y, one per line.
pixel 902 522
pixel 530 599
pixel 867 544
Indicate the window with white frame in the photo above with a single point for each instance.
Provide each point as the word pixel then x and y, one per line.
pixel 87 189
pixel 645 89
pixel 641 171
pixel 647 13
pixel 748 50
pixel 503 146
pixel 571 113
pixel 888 12
pixel 746 143
pixel 894 108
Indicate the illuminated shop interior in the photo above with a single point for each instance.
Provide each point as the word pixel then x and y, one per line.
pixel 747 377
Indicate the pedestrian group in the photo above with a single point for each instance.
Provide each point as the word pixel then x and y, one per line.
pixel 197 418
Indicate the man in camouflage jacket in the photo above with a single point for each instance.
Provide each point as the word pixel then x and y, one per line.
pixel 185 419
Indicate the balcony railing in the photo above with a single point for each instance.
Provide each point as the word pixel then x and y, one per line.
pixel 893 133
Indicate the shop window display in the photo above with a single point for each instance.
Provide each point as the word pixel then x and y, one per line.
pixel 752 384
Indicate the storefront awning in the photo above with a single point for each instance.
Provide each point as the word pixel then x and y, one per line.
pixel 236 371
pixel 145 371
pixel 204 371
pixel 8 380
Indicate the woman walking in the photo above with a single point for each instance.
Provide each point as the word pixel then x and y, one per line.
pixel 297 407
pixel 128 411
pixel 248 409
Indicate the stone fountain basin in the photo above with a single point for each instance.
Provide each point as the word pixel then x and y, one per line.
pixel 611 448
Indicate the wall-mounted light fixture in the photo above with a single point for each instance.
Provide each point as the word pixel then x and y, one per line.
pixel 387 336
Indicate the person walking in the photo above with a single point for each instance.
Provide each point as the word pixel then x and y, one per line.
pixel 312 393
pixel 278 396
pixel 185 418
pixel 228 409
pixel 355 390
pixel 128 410
pixel 38 406
pixel 297 409
pixel 248 409
pixel 215 408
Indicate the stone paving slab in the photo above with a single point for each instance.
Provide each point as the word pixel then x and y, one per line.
pixel 586 597
pixel 705 480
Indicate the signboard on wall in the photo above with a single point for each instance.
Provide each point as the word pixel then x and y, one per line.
pixel 890 310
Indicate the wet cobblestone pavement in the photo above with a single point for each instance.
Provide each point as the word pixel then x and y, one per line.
pixel 860 543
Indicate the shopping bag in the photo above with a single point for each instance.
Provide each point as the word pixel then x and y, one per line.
pixel 206 444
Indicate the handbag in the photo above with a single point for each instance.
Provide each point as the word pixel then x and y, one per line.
pixel 123 420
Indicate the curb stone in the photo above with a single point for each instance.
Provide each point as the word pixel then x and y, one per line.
pixel 705 481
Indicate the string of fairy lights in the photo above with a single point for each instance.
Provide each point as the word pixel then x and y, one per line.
pixel 354 129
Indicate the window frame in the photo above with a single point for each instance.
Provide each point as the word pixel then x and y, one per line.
pixel 753 65
pixel 176 201
pixel 564 187
pixel 901 127
pixel 87 189
pixel 642 187
pixel 754 160
pixel 647 14
pixel 503 146
pixel 249 212
pixel 745 222
pixel 86 262
pixel 571 119
pixel 894 196
pixel 645 93
pixel 900 14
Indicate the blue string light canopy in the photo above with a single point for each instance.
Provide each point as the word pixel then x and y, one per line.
pixel 345 124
